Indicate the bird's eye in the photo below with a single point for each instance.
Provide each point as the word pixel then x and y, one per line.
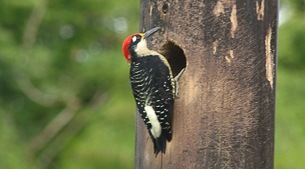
pixel 134 38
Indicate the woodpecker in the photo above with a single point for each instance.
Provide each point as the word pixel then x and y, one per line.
pixel 153 87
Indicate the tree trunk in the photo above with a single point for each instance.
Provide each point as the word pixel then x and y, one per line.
pixel 224 116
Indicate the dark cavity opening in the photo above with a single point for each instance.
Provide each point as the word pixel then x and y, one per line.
pixel 175 56
pixel 165 8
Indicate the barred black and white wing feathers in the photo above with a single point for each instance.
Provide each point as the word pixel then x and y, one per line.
pixel 152 85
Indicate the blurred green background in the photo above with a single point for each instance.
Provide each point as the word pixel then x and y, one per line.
pixel 65 99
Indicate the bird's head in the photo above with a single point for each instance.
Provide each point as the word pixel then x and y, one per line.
pixel 136 43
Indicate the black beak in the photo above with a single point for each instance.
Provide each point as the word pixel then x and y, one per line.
pixel 150 32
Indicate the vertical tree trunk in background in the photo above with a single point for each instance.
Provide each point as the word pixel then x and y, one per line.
pixel 224 117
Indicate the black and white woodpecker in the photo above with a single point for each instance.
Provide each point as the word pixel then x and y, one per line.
pixel 153 86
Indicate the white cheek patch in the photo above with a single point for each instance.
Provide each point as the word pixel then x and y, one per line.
pixel 142 50
pixel 134 39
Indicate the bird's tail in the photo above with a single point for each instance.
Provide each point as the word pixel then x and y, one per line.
pixel 160 142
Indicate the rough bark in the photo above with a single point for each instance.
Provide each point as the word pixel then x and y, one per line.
pixel 224 117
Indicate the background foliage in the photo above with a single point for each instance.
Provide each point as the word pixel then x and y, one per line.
pixel 65 100
pixel 290 107
pixel 65 97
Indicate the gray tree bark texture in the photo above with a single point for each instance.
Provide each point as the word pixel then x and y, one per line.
pixel 224 116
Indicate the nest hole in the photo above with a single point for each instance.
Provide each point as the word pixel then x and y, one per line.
pixel 175 56
pixel 165 8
